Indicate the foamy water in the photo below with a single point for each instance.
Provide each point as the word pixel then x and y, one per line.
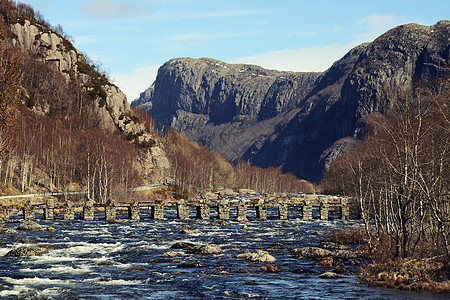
pixel 100 260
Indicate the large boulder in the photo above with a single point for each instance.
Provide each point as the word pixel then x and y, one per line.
pixel 311 252
pixel 29 251
pixel 259 256
pixel 7 231
pixel 331 275
pixel 182 245
pixel 205 250
pixel 171 254
pixel 30 226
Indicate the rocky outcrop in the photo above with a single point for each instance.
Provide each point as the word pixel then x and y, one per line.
pixel 112 111
pixel 297 121
pixel 49 46
pixel 227 107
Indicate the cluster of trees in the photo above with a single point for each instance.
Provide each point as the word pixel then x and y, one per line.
pixel 194 167
pixel 270 180
pixel 9 93
pixel 69 154
pixel 49 129
pixel 400 175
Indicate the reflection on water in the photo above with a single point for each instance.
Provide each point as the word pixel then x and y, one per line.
pixel 100 260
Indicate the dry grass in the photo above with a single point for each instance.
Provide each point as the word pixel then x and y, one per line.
pixel 351 236
pixel 420 275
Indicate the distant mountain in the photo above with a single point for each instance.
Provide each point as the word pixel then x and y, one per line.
pixel 297 121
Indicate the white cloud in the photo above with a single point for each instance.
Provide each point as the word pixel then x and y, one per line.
pixel 298 60
pixel 135 83
pixel 116 8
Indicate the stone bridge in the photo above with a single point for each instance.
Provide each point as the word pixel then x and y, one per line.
pixel 202 206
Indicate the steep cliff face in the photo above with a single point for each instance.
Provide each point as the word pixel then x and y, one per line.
pixel 228 107
pixel 297 121
pixel 366 80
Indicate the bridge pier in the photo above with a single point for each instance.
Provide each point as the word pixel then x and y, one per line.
pixel 345 211
pixel 307 211
pixel 49 210
pixel 223 210
pixel 133 212
pixel 3 213
pixel 69 211
pixel 110 213
pixel 158 210
pixel 324 208
pixel 261 210
pixel 242 212
pixel 88 210
pixel 28 212
pixel 282 210
pixel 204 210
pixel 182 210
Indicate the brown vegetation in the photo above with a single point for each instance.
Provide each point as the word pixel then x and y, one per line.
pixel 400 177
pixel 417 275
pixel 9 93
pixel 195 168
pixel 56 153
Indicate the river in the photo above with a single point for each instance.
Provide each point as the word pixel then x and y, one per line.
pixel 101 260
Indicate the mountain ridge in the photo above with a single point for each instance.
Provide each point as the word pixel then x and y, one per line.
pixel 294 123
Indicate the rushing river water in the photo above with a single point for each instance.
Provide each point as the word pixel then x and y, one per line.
pixel 100 260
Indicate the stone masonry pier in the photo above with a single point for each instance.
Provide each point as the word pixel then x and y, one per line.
pixel 203 206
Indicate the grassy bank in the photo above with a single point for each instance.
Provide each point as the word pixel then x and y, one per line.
pixel 420 274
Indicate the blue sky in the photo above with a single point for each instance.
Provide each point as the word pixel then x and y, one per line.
pixel 132 38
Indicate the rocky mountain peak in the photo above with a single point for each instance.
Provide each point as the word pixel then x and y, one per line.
pixel 297 121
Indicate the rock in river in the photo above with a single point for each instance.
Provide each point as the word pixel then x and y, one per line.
pixel 331 275
pixel 311 252
pixel 33 226
pixel 191 231
pixel 30 226
pixel 260 256
pixel 187 265
pixel 207 249
pixel 182 245
pixel 171 254
pixel 29 251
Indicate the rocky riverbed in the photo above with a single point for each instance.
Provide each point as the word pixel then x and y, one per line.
pixel 173 259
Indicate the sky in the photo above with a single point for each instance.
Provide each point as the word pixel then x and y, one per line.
pixel 131 39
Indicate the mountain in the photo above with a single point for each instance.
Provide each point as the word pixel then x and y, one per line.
pixel 297 121
pixel 227 107
pixel 62 89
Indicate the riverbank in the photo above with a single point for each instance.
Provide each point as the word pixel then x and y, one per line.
pixel 419 274
pixel 144 260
